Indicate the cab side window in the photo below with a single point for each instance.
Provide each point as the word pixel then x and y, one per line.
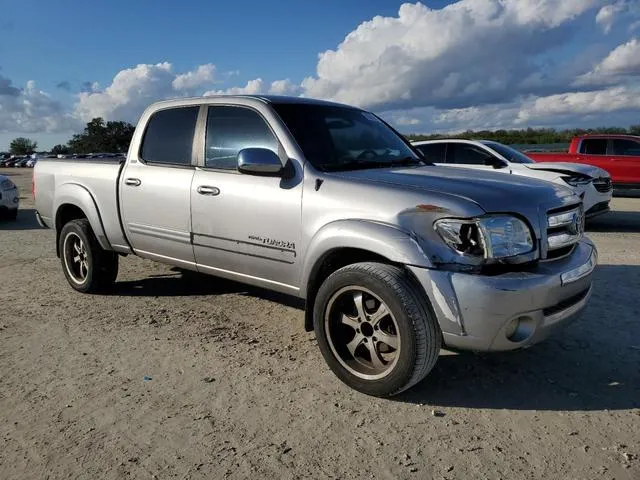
pixel 594 146
pixel 229 130
pixel 465 154
pixel 434 152
pixel 168 138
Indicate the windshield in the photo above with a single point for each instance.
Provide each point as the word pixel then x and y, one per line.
pixel 511 154
pixel 342 138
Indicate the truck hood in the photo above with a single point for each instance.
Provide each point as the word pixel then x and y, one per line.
pixel 493 192
pixel 568 168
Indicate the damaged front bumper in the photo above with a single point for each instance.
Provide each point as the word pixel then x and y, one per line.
pixel 511 310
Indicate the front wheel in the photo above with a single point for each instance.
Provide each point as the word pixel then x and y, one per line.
pixel 375 328
pixel 86 265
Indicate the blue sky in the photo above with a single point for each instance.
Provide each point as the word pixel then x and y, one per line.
pixel 435 66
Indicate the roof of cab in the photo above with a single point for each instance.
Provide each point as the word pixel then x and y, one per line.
pixel 273 99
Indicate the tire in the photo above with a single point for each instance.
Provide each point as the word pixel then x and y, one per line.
pixel 99 267
pixel 409 326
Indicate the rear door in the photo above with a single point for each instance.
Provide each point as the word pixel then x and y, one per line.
pixel 246 227
pixel 155 188
pixel 624 160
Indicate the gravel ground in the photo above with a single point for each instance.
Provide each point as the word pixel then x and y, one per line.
pixel 196 377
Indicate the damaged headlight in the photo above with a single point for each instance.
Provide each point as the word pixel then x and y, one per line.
pixel 492 237
pixel 577 180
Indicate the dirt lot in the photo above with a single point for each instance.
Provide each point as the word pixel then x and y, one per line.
pixel 235 388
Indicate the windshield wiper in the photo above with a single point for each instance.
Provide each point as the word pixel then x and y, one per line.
pixel 354 165
pixel 407 161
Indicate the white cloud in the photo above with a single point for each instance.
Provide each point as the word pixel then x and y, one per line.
pixel 472 51
pixel 202 75
pixel 253 87
pixel 622 62
pixel 608 15
pixel 613 99
pixel 617 12
pixel 29 110
pixel 284 87
pixel 133 89
pixel 257 86
pixel 625 59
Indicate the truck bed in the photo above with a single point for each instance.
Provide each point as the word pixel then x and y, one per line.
pixel 98 177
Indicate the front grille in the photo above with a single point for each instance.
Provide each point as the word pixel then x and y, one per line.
pixel 603 184
pixel 564 304
pixel 565 227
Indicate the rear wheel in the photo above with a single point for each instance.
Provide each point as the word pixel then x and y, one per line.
pixel 375 328
pixel 86 265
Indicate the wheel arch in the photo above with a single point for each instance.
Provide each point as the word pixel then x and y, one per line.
pixel 75 202
pixel 346 242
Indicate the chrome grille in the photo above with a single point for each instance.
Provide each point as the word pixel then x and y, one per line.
pixel 565 228
pixel 603 184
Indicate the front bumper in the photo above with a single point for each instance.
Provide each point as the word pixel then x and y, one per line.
pixel 478 312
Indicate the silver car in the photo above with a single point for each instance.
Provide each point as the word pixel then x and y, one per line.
pixel 394 257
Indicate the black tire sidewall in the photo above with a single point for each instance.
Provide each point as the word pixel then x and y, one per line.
pixel 404 368
pixel 76 228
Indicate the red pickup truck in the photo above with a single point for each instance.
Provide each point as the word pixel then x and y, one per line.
pixel 617 154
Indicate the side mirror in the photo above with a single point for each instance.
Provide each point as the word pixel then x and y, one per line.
pixel 259 161
pixel 495 162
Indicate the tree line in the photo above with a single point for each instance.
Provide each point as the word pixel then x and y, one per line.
pixel 97 137
pixel 528 136
pixel 114 137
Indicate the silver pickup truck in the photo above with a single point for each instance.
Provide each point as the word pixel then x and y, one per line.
pixel 395 257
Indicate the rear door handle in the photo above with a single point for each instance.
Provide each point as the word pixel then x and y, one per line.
pixel 207 190
pixel 134 182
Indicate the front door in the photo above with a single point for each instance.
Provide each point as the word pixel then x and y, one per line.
pixel 155 188
pixel 245 227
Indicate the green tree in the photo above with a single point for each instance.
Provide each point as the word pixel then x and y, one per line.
pixel 60 150
pixel 98 136
pixel 22 146
pixel 634 129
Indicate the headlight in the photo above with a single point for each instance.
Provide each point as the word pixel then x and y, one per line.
pixel 7 185
pixel 577 181
pixel 491 237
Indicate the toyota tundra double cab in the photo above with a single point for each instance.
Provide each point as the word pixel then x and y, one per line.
pixel 395 257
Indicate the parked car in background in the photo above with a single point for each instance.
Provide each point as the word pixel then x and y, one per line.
pixel 591 183
pixel 393 256
pixel 22 162
pixel 31 163
pixel 617 154
pixel 9 198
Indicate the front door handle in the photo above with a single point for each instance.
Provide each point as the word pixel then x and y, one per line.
pixel 134 182
pixel 207 190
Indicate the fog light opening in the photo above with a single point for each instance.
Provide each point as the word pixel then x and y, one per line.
pixel 519 329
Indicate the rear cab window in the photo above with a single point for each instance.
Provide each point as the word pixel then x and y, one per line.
pixel 168 138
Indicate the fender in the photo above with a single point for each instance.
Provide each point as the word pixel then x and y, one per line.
pixel 79 196
pixel 390 241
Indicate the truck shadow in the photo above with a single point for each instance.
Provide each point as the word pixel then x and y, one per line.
pixel 187 283
pixel 26 221
pixel 594 364
pixel 615 221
